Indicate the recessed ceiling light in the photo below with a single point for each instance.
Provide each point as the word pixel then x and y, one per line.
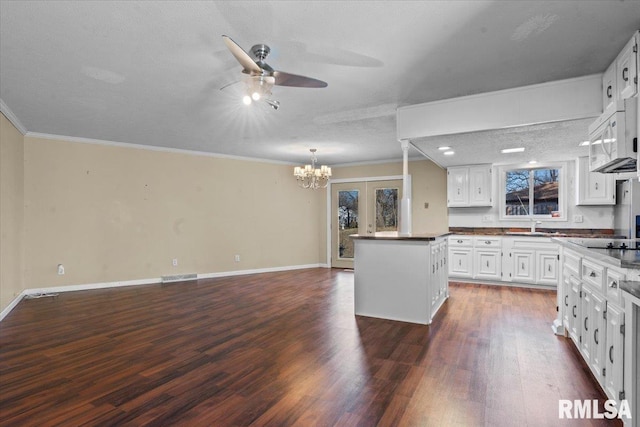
pixel 444 148
pixel 449 153
pixel 512 150
pixel 533 162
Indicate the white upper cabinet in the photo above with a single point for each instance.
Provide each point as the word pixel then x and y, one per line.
pixel 627 70
pixel 458 186
pixel 593 188
pixel 620 80
pixel 469 186
pixel 609 86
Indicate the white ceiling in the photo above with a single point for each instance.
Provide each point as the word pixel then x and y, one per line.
pixel 149 72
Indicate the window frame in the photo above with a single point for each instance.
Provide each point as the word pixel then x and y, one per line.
pixel 562 190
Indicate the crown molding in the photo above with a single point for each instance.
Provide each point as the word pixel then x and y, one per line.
pixel 150 148
pixel 4 108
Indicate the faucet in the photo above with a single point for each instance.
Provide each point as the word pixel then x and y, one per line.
pixel 533 225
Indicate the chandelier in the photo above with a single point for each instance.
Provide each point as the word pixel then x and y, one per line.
pixel 310 177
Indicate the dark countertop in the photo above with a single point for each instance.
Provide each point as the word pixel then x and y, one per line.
pixel 392 235
pixel 631 287
pixel 618 258
pixel 595 233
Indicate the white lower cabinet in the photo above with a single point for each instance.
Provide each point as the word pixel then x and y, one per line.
pixel 614 353
pixel 593 317
pixel 526 260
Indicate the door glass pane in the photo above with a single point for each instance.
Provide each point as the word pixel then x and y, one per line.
pixel 386 209
pixel 545 191
pixel 347 220
pixel 517 192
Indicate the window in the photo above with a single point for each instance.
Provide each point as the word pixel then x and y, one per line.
pixel 533 192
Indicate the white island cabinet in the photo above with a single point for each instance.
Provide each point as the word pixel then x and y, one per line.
pixel 400 278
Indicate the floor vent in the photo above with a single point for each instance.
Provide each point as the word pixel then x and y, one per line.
pixel 179 278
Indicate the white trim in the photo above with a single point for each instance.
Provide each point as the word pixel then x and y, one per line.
pixel 12 305
pixel 150 281
pixel 151 148
pixel 378 162
pixel 4 108
pixel 341 181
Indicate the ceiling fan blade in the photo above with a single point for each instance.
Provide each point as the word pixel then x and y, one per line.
pixel 243 57
pixel 294 80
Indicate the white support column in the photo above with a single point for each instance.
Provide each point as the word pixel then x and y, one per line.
pixel 405 204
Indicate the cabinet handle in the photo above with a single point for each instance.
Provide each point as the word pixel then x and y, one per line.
pixel 566 303
pixel 522 266
pixel 573 310
pixel 608 95
pixel 611 354
pixel 487 263
pixel 458 191
pixel 595 336
pixel 613 284
pixel 459 241
pixel 586 328
pixel 460 262
pixel 487 242
pixel 625 74
pixel 592 274
pixel 479 190
pixel 549 269
pixel 596 185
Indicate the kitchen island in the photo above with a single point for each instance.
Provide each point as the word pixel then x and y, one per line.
pixel 400 277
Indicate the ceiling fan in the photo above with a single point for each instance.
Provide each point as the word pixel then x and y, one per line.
pixel 261 77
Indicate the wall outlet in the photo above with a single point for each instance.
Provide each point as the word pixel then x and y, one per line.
pixel 237 258
pixel 60 269
pixel 578 218
pixel 175 262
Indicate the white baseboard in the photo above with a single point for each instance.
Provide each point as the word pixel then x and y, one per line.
pixel 90 286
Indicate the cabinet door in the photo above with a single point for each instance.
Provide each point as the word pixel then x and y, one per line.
pixel 460 263
pixel 574 310
pixel 627 71
pixel 593 188
pixel 480 185
pixel 564 298
pixel 609 86
pixel 487 263
pixel 523 266
pixel 458 186
pixel 547 268
pixel 444 279
pixel 596 336
pixel 614 353
pixel 584 327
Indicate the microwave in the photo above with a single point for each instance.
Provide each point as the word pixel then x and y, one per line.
pixel 613 139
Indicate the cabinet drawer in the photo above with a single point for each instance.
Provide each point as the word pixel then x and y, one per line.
pixel 572 262
pixel 486 242
pixel 612 285
pixel 460 241
pixel 593 274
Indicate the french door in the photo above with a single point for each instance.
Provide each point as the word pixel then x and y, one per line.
pixel 361 207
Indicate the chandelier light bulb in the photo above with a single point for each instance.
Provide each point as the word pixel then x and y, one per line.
pixel 255 96
pixel 246 100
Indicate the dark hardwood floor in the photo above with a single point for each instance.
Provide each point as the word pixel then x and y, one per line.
pixel 285 349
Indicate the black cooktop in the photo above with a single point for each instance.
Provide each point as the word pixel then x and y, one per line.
pixel 620 245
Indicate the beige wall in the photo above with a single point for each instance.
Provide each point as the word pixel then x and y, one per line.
pixel 112 213
pixel 429 185
pixel 11 212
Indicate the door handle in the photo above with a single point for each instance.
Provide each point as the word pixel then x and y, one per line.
pixel 586 328
pixel 611 354
pixel 609 91
pixel 595 336
pixel 625 74
pixel 573 310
